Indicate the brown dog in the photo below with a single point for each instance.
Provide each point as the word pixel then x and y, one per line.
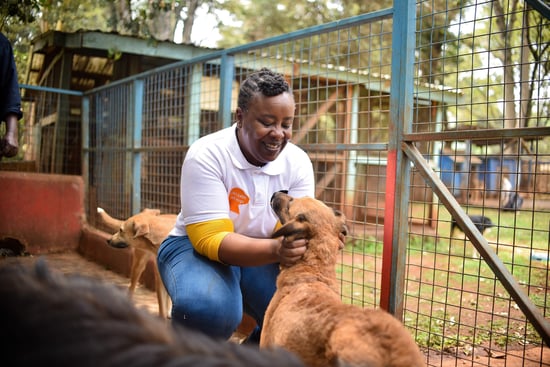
pixel 143 233
pixel 51 319
pixel 306 315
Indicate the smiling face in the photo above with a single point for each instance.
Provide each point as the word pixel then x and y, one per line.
pixel 265 127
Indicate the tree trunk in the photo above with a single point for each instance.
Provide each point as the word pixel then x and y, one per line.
pixel 192 6
pixel 524 83
pixel 510 120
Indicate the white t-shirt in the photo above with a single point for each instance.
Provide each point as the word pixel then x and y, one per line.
pixel 217 182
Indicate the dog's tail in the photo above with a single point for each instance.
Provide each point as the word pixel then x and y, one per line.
pixel 113 223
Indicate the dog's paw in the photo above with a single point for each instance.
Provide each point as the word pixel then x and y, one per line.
pixel 100 210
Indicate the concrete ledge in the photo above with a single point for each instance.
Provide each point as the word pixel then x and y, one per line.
pixel 43 212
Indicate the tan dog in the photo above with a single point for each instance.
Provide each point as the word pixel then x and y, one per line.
pixel 306 315
pixel 149 229
pixel 143 233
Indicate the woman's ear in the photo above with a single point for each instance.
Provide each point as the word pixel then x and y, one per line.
pixel 239 113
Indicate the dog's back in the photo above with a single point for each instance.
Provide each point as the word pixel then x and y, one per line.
pixel 55 320
pixel 481 222
pixel 368 337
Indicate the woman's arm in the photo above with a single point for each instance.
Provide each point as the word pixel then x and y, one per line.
pixel 240 250
pixel 216 240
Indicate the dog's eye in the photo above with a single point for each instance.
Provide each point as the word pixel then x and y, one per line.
pixel 301 217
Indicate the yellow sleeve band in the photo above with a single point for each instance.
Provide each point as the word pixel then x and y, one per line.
pixel 206 237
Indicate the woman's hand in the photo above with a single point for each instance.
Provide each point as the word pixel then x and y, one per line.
pixel 290 251
pixel 9 144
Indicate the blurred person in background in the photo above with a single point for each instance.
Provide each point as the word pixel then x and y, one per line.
pixel 10 99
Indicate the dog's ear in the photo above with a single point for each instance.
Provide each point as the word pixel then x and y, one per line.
pixel 295 228
pixel 147 229
pixel 141 228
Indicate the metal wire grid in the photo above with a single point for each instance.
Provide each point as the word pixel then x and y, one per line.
pixel 111 132
pixel 335 75
pixel 163 138
pixel 454 300
pixel 47 136
pixel 337 107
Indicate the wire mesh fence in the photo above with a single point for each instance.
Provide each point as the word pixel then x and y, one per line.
pixel 476 144
pixel 489 149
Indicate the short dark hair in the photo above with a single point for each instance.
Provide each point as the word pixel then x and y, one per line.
pixel 264 81
pixel 71 320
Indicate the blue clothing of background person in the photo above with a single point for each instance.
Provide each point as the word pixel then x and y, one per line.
pixel 10 99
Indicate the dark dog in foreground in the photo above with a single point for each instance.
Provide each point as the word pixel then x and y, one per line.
pixel 307 316
pixel 50 319
pixel 481 222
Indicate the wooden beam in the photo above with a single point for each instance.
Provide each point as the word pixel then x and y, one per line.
pixel 310 123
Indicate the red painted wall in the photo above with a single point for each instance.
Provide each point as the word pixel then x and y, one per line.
pixel 44 212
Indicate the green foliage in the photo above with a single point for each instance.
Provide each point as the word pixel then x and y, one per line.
pixel 484 38
pixel 280 17
pixel 114 54
pixel 18 22
pixel 74 15
pixel 368 245
pixel 23 11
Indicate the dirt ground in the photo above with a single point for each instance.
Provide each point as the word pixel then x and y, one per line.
pixel 531 357
pixel 479 355
pixel 72 262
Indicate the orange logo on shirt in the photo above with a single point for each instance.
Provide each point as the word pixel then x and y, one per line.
pixel 237 197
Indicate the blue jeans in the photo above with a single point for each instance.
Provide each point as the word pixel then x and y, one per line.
pixel 209 296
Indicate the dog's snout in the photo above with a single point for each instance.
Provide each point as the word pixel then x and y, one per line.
pixel 277 199
pixel 116 243
pixel 344 230
pixel 278 193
